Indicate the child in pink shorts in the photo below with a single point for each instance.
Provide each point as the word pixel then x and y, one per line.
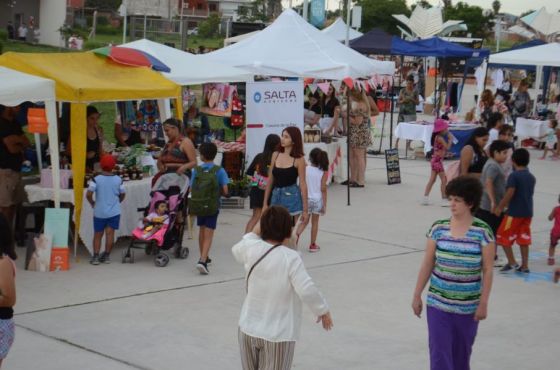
pixel 554 233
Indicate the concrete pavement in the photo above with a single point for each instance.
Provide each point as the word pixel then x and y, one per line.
pixel 138 316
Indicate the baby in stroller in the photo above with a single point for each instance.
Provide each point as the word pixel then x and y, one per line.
pixel 154 226
pixel 164 221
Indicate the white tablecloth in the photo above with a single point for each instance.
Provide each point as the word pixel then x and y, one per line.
pixel 137 196
pixel 337 157
pixel 415 131
pixel 423 132
pixel 525 128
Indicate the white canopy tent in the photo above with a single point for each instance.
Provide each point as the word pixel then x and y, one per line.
pixel 186 68
pixel 337 31
pixel 291 47
pixel 539 56
pixel 234 39
pixel 542 55
pixel 16 88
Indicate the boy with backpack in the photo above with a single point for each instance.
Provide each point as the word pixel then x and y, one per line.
pixel 208 182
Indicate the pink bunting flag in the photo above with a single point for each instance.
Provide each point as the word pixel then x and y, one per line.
pixel 324 86
pixel 349 82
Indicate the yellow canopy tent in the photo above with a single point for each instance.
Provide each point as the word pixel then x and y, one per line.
pixel 82 78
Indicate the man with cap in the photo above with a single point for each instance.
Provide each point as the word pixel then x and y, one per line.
pixel 109 193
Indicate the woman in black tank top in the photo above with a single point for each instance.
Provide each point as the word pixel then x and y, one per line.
pixel 286 168
pixel 473 156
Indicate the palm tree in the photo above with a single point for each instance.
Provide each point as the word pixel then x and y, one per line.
pixel 496 5
pixel 447 4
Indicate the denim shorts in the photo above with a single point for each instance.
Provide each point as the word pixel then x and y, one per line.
pixel 100 224
pixel 288 197
pixel 7 333
pixel 315 206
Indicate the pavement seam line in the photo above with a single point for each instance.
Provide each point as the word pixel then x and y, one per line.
pixel 83 348
pixel 204 284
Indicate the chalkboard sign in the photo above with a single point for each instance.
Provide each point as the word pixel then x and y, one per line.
pixel 393 166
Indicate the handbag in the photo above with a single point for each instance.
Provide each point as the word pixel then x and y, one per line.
pixel 256 263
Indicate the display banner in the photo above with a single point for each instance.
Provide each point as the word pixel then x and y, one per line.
pixel 317 13
pixel 271 107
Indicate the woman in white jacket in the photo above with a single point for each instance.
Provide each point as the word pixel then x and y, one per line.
pixel 276 285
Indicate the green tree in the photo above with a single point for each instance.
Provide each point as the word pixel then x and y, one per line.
pixel 103 4
pixel 496 5
pixel 447 4
pixel 377 13
pixel 473 16
pixel 210 27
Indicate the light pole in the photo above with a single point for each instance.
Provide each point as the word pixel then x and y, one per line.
pixel 347 40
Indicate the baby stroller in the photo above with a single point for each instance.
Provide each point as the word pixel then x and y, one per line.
pixel 173 189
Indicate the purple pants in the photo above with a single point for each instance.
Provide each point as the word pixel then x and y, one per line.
pixel 451 338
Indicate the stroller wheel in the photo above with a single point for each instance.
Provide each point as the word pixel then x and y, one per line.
pixel 182 252
pixel 161 260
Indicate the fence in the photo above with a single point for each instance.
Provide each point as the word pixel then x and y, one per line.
pixel 171 32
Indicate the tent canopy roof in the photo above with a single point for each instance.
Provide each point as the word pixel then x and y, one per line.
pixel 375 41
pixel 543 55
pixel 17 87
pixel 337 30
pixel 291 47
pixel 186 69
pixel 437 47
pixel 85 77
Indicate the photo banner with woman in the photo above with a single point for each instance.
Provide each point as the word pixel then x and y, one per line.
pixel 271 107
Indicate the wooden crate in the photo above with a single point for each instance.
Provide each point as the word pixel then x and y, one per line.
pixel 233 203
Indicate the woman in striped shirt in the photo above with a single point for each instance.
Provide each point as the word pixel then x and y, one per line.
pixel 458 262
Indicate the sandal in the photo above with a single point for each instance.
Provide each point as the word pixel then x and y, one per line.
pixel 551 261
pixel 556 275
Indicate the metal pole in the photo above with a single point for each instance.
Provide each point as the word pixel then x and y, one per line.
pixel 347 40
pixel 392 108
pixel 124 27
pixel 498 32
pixel 305 6
pixel 436 92
pixel 348 128
pixel 145 23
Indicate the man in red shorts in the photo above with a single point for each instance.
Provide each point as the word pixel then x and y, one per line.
pixel 516 225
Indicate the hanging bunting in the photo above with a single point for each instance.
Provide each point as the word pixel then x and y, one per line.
pixel 324 86
pixel 336 85
pixel 312 88
pixel 349 82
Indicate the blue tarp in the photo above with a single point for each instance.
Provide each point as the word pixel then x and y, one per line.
pixel 437 47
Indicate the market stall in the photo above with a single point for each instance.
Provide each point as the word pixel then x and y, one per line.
pixel 422 131
pixel 82 78
pixel 18 87
pixel 291 47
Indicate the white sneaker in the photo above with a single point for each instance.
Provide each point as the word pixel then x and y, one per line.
pixel 425 201
pixel 445 202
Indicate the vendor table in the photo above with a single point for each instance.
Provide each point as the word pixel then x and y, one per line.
pixel 337 158
pixel 137 196
pixel 423 132
pixel 525 128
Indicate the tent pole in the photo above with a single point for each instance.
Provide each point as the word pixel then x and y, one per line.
pixel 348 128
pixel 391 115
pixel 436 91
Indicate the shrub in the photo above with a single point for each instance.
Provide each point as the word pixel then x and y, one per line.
pixel 90 45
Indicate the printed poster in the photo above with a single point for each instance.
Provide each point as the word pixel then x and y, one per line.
pixel 271 107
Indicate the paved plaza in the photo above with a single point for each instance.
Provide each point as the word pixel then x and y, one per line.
pixel 138 316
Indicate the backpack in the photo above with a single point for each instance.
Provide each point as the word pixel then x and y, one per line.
pixel 205 193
